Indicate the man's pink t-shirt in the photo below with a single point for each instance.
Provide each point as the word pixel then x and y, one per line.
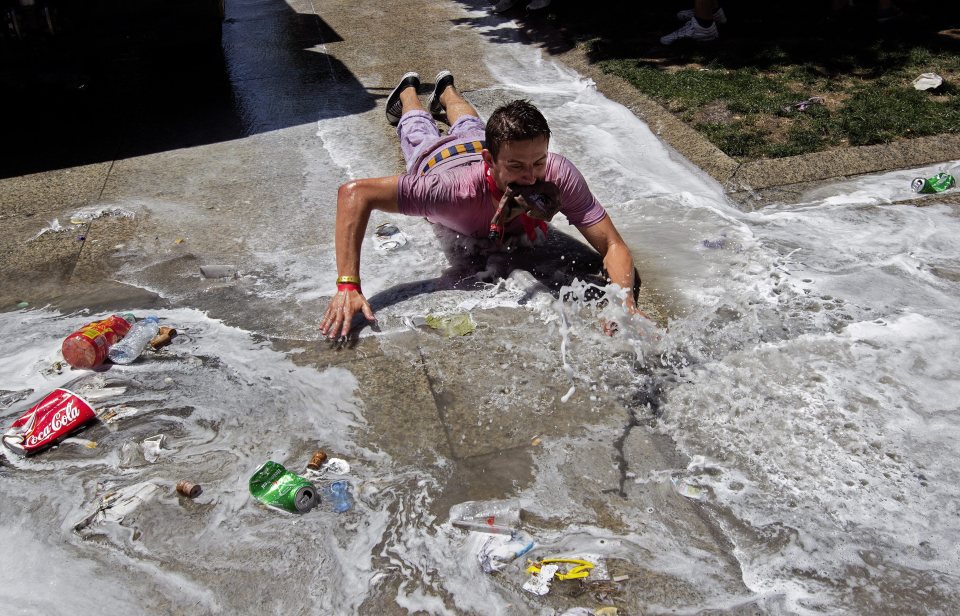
pixel 460 199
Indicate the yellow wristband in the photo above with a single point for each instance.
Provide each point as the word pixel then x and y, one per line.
pixel 350 279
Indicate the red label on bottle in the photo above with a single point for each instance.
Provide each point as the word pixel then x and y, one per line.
pixel 88 346
pixel 47 422
pixel 95 330
pixel 113 327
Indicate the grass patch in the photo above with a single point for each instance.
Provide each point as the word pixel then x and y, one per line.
pixel 880 113
pixel 861 106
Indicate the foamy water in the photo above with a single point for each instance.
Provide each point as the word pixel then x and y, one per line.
pixel 809 376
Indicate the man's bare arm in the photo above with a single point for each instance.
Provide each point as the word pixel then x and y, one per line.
pixel 355 201
pixel 617 260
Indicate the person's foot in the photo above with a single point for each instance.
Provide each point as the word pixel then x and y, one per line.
pixel 394 106
pixel 718 16
pixel 691 31
pixel 443 80
pixel 503 5
pixel 537 5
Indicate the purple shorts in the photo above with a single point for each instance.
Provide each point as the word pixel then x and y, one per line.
pixel 420 137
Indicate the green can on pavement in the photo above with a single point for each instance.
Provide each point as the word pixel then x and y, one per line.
pixel 274 485
pixel 937 183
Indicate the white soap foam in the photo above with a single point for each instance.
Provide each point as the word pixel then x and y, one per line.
pixel 809 374
pixel 813 349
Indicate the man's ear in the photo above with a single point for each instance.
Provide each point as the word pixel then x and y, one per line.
pixel 487 157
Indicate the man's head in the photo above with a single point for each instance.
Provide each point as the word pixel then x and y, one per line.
pixel 517 140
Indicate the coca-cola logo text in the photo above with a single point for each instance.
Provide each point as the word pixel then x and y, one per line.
pixel 60 420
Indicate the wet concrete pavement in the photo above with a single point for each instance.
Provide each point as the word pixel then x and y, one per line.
pixel 248 177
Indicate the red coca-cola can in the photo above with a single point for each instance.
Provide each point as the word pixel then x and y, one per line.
pixel 47 422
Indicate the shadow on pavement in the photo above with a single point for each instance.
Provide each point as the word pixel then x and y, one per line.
pixel 758 34
pixel 119 79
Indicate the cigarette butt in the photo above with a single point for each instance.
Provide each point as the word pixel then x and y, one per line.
pixel 190 490
pixel 535 441
pixel 319 457
pixel 165 337
pixel 621 578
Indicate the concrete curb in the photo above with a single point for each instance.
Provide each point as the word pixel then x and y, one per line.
pixel 742 180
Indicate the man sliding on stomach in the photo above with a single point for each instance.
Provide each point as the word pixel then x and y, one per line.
pixel 480 181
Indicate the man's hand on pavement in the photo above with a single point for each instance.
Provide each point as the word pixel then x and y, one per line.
pixel 610 328
pixel 340 312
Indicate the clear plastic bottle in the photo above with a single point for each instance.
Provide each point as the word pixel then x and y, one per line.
pixel 338 495
pixel 498 517
pixel 131 346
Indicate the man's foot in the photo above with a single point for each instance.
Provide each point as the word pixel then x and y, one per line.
pixel 718 16
pixel 442 81
pixel 691 31
pixel 394 106
pixel 503 5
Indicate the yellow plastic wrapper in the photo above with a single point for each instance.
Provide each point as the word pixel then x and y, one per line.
pixel 452 325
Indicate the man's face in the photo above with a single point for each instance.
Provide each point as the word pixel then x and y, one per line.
pixel 519 162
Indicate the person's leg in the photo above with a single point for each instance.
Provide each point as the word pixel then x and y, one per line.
pixel 410 100
pixel 417 132
pixel 394 107
pixel 703 12
pixel 465 122
pixel 701 28
pixel 446 98
pixel 416 129
pixel 718 15
pixel 456 105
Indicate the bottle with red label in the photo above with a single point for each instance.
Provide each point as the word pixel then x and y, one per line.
pixel 88 346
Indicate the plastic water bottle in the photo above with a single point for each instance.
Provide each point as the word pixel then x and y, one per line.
pixel 131 346
pixel 499 517
pixel 338 495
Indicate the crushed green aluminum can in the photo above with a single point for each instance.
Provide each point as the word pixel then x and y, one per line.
pixel 938 183
pixel 274 485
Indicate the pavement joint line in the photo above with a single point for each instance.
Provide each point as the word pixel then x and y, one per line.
pixel 520 448
pixel 323 45
pixel 106 179
pixel 436 403
pixel 76 259
pixel 623 465
pixel 86 234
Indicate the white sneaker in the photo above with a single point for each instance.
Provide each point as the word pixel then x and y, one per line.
pixel 536 5
pixel 718 16
pixel 692 31
pixel 503 5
